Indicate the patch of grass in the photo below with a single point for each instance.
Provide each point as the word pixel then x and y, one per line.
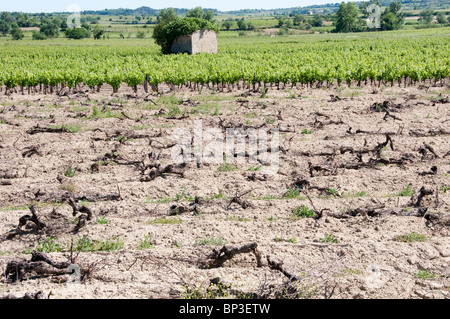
pixel 306 131
pixel 122 139
pixel 78 109
pixel 349 271
pixel 146 243
pixel 219 195
pixel 329 238
pixel 291 193
pixel 184 196
pixel 270 197
pixel 254 169
pixel 69 171
pixel 102 221
pixel 406 192
pixel 302 212
pixel 412 237
pixel 169 100
pixel 333 192
pixel 177 244
pixel 445 188
pixel 292 240
pixel 72 128
pixel 95 112
pixel 201 291
pixel 361 194
pixel 13 208
pixel 424 274
pixel 270 120
pixel 210 242
pixel 272 219
pixel 226 167
pixel 164 200
pixel 141 127
pixel 174 111
pixel 86 245
pixel 67 187
pixel 49 245
pixel 165 221
pixel 237 219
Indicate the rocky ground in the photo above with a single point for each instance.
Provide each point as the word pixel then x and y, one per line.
pixel 358 208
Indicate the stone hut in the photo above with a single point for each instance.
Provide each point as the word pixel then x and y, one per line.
pixel 199 41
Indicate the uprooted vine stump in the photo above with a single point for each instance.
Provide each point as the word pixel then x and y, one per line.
pixel 34 221
pixel 27 296
pixel 218 257
pixel 30 222
pixel 180 209
pixel 157 170
pixel 39 264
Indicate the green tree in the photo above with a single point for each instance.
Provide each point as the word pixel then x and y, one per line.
pixel 392 18
pixel 199 13
pixel 317 21
pixel 166 16
pixel 77 33
pixel 195 13
pixel 51 27
pixel 426 16
pixel 363 7
pixel 208 15
pixel 347 18
pixel 298 19
pixel 38 36
pixel 98 32
pixel 242 25
pixel 440 16
pixel 16 33
pixel 227 25
pixel 5 28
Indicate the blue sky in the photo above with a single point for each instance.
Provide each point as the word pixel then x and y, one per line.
pixel 224 5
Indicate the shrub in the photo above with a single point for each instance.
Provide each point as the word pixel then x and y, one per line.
pixel 38 36
pixel 77 33
pixel 165 34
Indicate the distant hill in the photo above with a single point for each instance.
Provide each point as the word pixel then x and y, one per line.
pixel 136 12
pixel 407 5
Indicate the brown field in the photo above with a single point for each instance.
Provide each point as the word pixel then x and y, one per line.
pixel 371 164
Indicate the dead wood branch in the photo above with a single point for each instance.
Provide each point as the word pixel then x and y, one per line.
pixel 7 122
pixel 219 257
pixel 279 267
pixel 158 170
pixel 179 209
pixel 416 199
pixel 37 223
pixel 238 200
pixel 37 129
pixel 27 296
pixel 30 151
pixel 424 149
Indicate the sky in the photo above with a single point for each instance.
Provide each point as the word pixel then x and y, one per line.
pixel 223 5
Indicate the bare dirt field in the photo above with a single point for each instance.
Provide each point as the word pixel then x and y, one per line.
pixel 359 208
